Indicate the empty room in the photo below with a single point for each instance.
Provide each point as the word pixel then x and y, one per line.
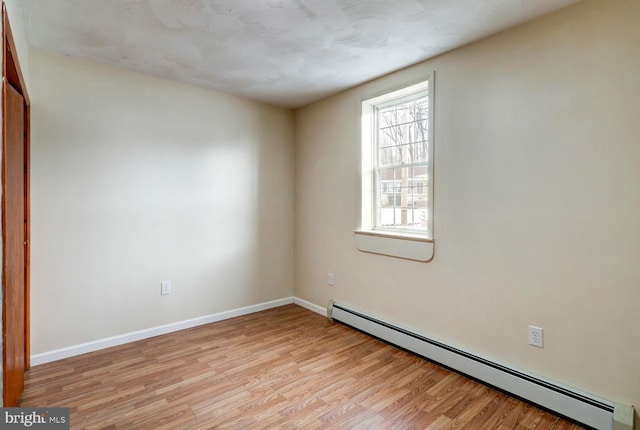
pixel 319 214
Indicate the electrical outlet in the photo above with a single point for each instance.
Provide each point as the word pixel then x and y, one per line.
pixel 330 279
pixel 535 336
pixel 165 288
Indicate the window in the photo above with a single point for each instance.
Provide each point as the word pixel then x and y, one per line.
pixel 397 164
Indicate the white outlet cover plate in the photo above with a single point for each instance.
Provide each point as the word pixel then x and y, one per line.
pixel 536 336
pixel 165 288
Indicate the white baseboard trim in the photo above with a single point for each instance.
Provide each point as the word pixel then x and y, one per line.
pixel 311 306
pixel 83 348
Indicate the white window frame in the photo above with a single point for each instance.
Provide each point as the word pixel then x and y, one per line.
pixel 398 242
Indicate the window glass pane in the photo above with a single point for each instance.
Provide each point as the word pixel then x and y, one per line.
pixel 420 186
pixel 387 187
pixel 388 136
pixel 419 151
pixel 402 139
pixel 389 156
pixel 404 127
pixel 402 197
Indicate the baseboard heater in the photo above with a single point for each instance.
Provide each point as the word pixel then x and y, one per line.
pixel 581 407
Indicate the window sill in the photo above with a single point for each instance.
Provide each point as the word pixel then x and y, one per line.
pixel 407 246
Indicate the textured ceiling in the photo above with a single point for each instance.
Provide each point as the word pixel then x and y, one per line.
pixel 284 52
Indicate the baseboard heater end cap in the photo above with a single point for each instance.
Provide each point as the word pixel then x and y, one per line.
pixel 622 417
pixel 330 309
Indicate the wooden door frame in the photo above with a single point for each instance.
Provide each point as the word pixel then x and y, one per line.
pixel 12 75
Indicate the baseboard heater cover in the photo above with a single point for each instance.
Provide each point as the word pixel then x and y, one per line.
pixel 581 407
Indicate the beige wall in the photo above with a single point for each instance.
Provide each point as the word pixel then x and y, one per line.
pixel 536 201
pixel 16 19
pixel 136 180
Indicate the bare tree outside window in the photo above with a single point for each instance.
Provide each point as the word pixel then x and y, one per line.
pixel 402 167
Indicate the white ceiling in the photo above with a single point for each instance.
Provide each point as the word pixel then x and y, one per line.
pixel 284 52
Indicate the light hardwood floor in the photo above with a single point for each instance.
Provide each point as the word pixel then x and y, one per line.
pixel 282 368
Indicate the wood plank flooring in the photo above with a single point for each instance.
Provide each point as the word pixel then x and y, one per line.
pixel 284 368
